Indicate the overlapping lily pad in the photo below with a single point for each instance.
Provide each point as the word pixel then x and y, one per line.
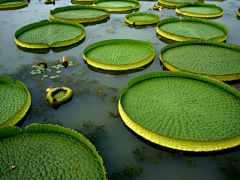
pixel 186 29
pixel 80 14
pixel 15 101
pixel 117 5
pixel 60 95
pixel 9 4
pixel 142 18
pixel 46 151
pixel 47 34
pixel 200 10
pixel 217 60
pixel 182 111
pixel 119 54
pixel 179 2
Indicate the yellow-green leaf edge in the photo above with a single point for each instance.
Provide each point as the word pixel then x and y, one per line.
pixel 168 3
pixel 65 98
pixel 41 128
pixel 111 9
pixel 238 12
pixel 179 144
pixel 197 14
pixel 43 45
pixel 23 110
pixel 142 22
pixel 121 66
pixel 84 20
pixel 229 77
pixel 187 19
pixel 25 3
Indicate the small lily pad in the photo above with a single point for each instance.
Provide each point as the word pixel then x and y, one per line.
pixel 53 77
pixel 33 73
pixel 58 67
pixel 45 75
pixel 59 71
pixel 70 64
pixel 53 67
pixel 34 65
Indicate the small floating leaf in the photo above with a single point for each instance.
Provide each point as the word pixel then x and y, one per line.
pixel 45 76
pixel 34 65
pixel 59 71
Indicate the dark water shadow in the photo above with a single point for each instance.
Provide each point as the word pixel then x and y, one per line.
pixel 13 8
pixel 112 72
pixel 141 26
pixel 96 22
pixel 183 153
pixel 124 12
pixel 165 40
pixel 55 49
pixel 82 2
pixel 238 17
pixel 20 123
pixel 231 83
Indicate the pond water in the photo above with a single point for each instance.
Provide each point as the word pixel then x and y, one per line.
pixel 93 108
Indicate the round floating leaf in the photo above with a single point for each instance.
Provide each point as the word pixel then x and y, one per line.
pixel 34 65
pixel 58 71
pixel 182 111
pixel 53 67
pixel 217 60
pixel 117 5
pixel 142 18
pixel 80 14
pixel 200 10
pixel 53 77
pixel 178 2
pixel 45 76
pixel 61 94
pixel 186 29
pixel 8 4
pixel 46 34
pixel 46 150
pixel 15 101
pixel 119 54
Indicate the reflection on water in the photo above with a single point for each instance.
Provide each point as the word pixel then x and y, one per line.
pixel 93 109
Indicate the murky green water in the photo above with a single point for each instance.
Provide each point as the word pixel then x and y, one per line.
pixel 93 108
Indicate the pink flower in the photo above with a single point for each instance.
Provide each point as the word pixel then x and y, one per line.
pixel 48 89
pixel 49 70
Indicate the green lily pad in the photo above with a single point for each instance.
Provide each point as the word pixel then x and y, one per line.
pixel 200 10
pixel 142 18
pixel 80 14
pixel 117 5
pixel 182 111
pixel 8 4
pixel 47 34
pixel 119 54
pixel 15 101
pixel 45 76
pixel 53 67
pixel 34 65
pixel 53 77
pixel 58 71
pixel 175 3
pixel 217 60
pixel 46 150
pixel 186 29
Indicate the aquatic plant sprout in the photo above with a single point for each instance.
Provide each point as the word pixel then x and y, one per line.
pixel 186 29
pixel 48 151
pixel 46 34
pixel 117 5
pixel 179 2
pixel 80 14
pixel 15 101
pixel 142 18
pixel 8 4
pixel 119 54
pixel 182 111
pixel 200 10
pixel 217 60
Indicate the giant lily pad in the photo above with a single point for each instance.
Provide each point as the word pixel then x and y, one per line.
pixel 15 101
pixel 117 5
pixel 46 151
pixel 142 18
pixel 186 29
pixel 80 14
pixel 178 2
pixel 8 4
pixel 182 111
pixel 217 60
pixel 119 54
pixel 47 34
pixel 200 10
pixel 60 95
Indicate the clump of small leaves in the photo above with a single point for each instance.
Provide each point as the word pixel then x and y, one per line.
pixel 91 131
pixel 128 172
pixel 114 99
pixel 111 114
